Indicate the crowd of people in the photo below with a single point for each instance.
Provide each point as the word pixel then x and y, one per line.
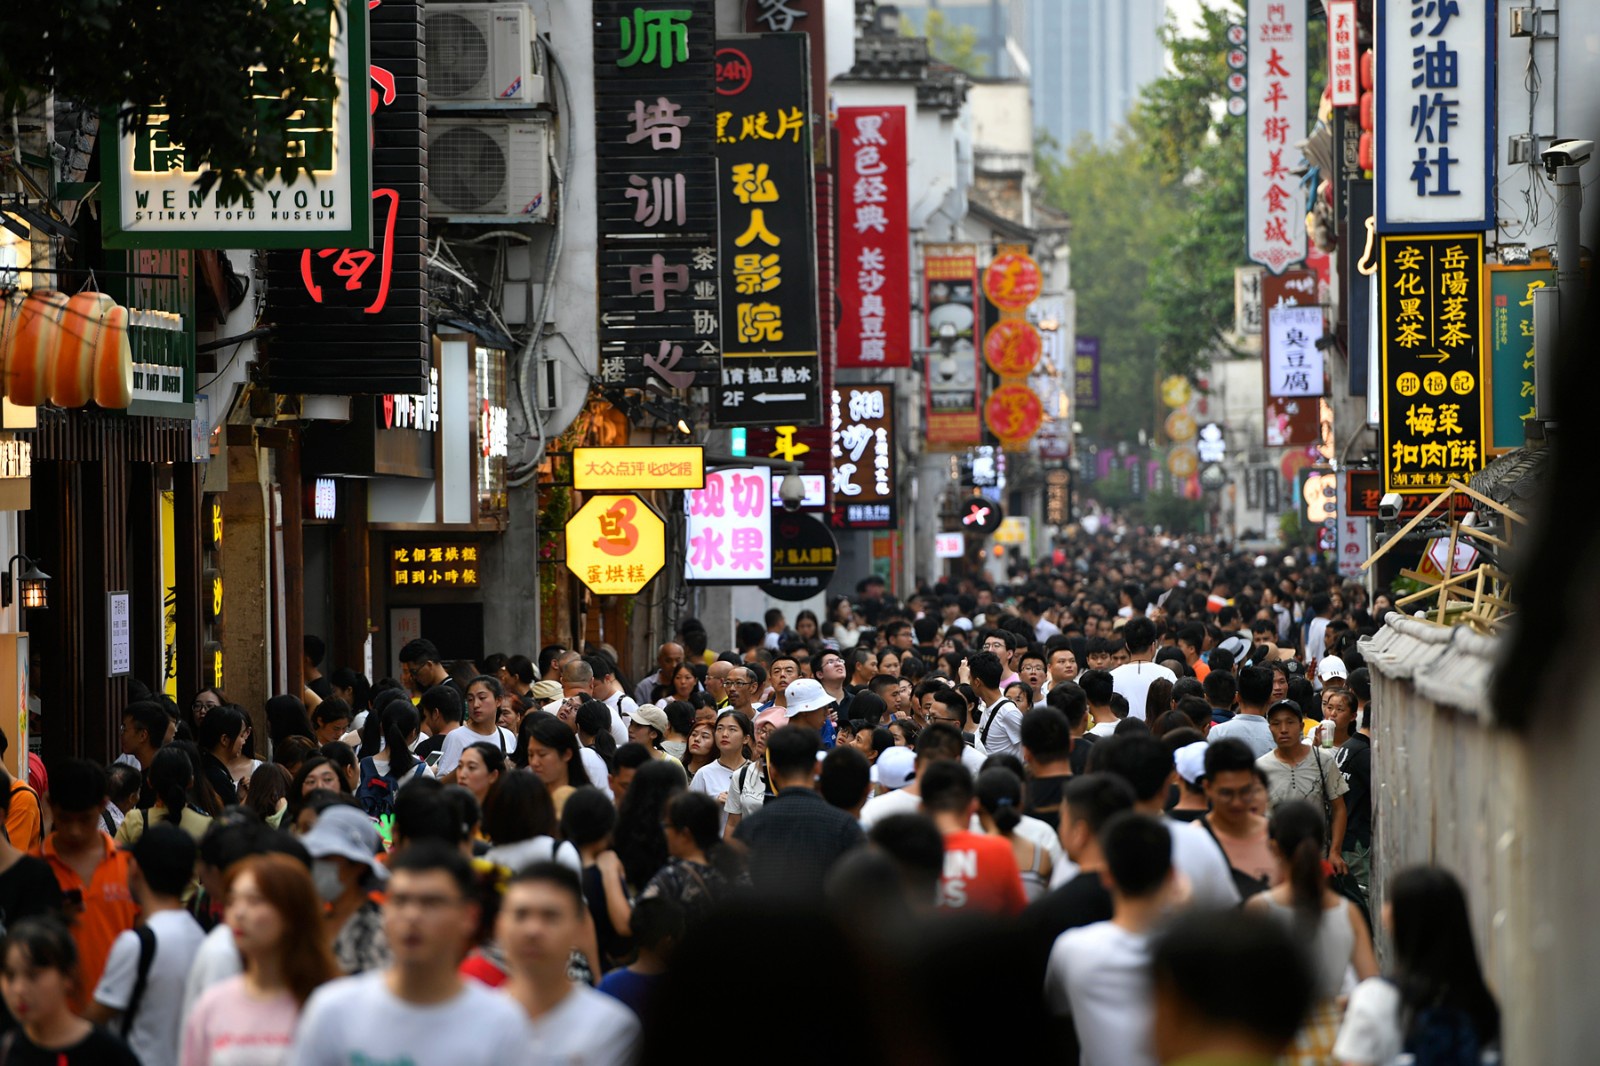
pixel 1115 811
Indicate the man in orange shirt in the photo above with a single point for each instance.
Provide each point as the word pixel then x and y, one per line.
pixel 23 825
pixel 980 871
pixel 1192 641
pixel 92 872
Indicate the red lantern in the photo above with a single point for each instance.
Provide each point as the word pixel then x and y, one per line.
pixel 1013 281
pixel 1013 413
pixel 1012 348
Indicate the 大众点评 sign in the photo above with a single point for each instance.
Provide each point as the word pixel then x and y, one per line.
pixel 771 373
pixel 1434 121
pixel 151 199
pixel 1431 330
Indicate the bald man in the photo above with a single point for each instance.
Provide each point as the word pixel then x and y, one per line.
pixel 668 656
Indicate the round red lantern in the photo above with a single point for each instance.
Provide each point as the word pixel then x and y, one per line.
pixel 1013 413
pixel 1013 281
pixel 1012 348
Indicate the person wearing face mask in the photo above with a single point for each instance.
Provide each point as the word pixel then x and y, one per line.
pixel 343 847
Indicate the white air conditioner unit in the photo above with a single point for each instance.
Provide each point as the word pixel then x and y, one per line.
pixel 481 56
pixel 485 171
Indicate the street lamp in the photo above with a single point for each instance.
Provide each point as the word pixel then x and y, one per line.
pixel 32 581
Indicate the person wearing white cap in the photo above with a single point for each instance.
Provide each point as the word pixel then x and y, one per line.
pixel 807 703
pixel 1331 673
pixel 344 865
pixel 895 768
pixel 1190 761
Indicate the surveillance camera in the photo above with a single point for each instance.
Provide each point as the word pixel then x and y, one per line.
pixel 1566 154
pixel 791 491
pixel 1389 506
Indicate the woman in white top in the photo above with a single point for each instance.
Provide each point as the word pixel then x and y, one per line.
pixel 999 793
pixel 733 733
pixel 1330 927
pixel 1435 986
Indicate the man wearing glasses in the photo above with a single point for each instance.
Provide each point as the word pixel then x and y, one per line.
pixel 949 707
pixel 741 687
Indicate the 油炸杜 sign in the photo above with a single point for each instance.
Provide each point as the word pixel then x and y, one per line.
pixel 433 565
pixel 768 234
pixel 151 200
pixel 1509 397
pixel 1431 338
pixel 656 188
pixel 874 249
pixel 1433 142
pixel 353 319
pixel 864 489
pixel 729 527
pixel 1275 229
pixel 950 298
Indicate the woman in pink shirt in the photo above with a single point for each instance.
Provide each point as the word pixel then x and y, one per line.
pixel 249 1020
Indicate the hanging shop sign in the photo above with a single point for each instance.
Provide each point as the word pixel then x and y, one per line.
pixel 615 544
pixel 864 484
pixel 613 469
pixel 351 317
pixel 1434 147
pixel 1275 230
pixel 1247 313
pixel 949 545
pixel 729 527
pixel 1432 347
pixel 1013 281
pixel 150 199
pixel 984 467
pixel 950 298
pixel 1013 414
pixel 1086 373
pixel 1057 497
pixel 1344 80
pixel 1294 362
pixel 157 286
pixel 433 564
pixel 1012 347
pixel 1212 445
pixel 419 412
pixel 493 446
pixel 873 239
pixel 1363 491
pixel 809 447
pixel 1289 421
pixel 804 557
pixel 656 185
pixel 324 499
pixel 1508 397
pixel 767 234
pixel 980 516
pixel 1014 410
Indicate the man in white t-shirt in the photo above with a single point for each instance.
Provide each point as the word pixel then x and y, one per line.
pixel 163 864
pixel 483 714
pixel 539 925
pixel 1133 679
pixel 1000 726
pixel 937 741
pixel 1098 687
pixel 609 692
pixel 1099 974
pixel 419 1009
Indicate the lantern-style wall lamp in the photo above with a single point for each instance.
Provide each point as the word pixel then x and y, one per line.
pixel 33 583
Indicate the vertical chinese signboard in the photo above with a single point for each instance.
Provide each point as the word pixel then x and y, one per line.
pixel 729 527
pixel 354 321
pixel 1290 420
pixel 950 305
pixel 1344 81
pixel 1431 340
pixel 1294 362
pixel 656 172
pixel 1086 373
pixel 1275 230
pixel 1434 142
pixel 771 374
pixel 1012 346
pixel 864 488
pixel 874 249
pixel 1508 397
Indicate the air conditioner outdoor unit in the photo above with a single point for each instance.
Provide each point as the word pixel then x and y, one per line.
pixel 487 171
pixel 481 56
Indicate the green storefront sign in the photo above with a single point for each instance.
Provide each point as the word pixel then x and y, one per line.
pixel 1509 398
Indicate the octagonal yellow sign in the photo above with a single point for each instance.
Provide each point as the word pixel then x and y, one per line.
pixel 615 544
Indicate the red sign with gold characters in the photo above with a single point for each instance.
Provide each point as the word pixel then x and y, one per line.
pixel 1013 281
pixel 1012 347
pixel 1013 413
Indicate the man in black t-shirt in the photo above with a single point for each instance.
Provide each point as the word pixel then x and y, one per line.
pixel 1047 753
pixel 1354 759
pixel 1069 698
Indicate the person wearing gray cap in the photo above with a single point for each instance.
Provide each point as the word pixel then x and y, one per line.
pixel 344 866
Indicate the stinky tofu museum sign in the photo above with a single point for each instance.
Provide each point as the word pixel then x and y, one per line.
pixel 151 200
pixel 771 373
pixel 1434 141
pixel 656 186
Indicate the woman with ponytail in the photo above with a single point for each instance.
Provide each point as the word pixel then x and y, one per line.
pixel 999 793
pixel 385 773
pixel 171 775
pixel 1329 927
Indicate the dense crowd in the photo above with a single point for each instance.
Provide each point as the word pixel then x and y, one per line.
pixel 1117 810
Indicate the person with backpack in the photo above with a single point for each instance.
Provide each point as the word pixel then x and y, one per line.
pixel 1433 1004
pixel 383 774
pixel 143 982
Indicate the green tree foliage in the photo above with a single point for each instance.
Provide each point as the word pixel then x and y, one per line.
pixel 195 57
pixel 952 44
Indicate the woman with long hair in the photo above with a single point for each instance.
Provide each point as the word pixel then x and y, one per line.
pixel 38 979
pixel 732 734
pixel 384 773
pixel 171 775
pixel 351 686
pixel 482 765
pixel 701 868
pixel 1330 927
pixel 520 821
pixel 587 823
pixel 221 734
pixel 268 794
pixel 805 627
pixel 271 903
pixel 999 793
pixel 203 703
pixel 702 748
pixel 1434 997
pixel 344 758
pixel 681 686
pixel 331 720
pixel 286 717
pixel 638 839
pixel 554 757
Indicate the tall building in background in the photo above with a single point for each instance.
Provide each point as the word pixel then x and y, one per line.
pixel 1089 59
pixel 1001 27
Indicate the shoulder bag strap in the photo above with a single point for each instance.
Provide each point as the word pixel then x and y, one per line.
pixel 994 713
pixel 1327 801
pixel 141 981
